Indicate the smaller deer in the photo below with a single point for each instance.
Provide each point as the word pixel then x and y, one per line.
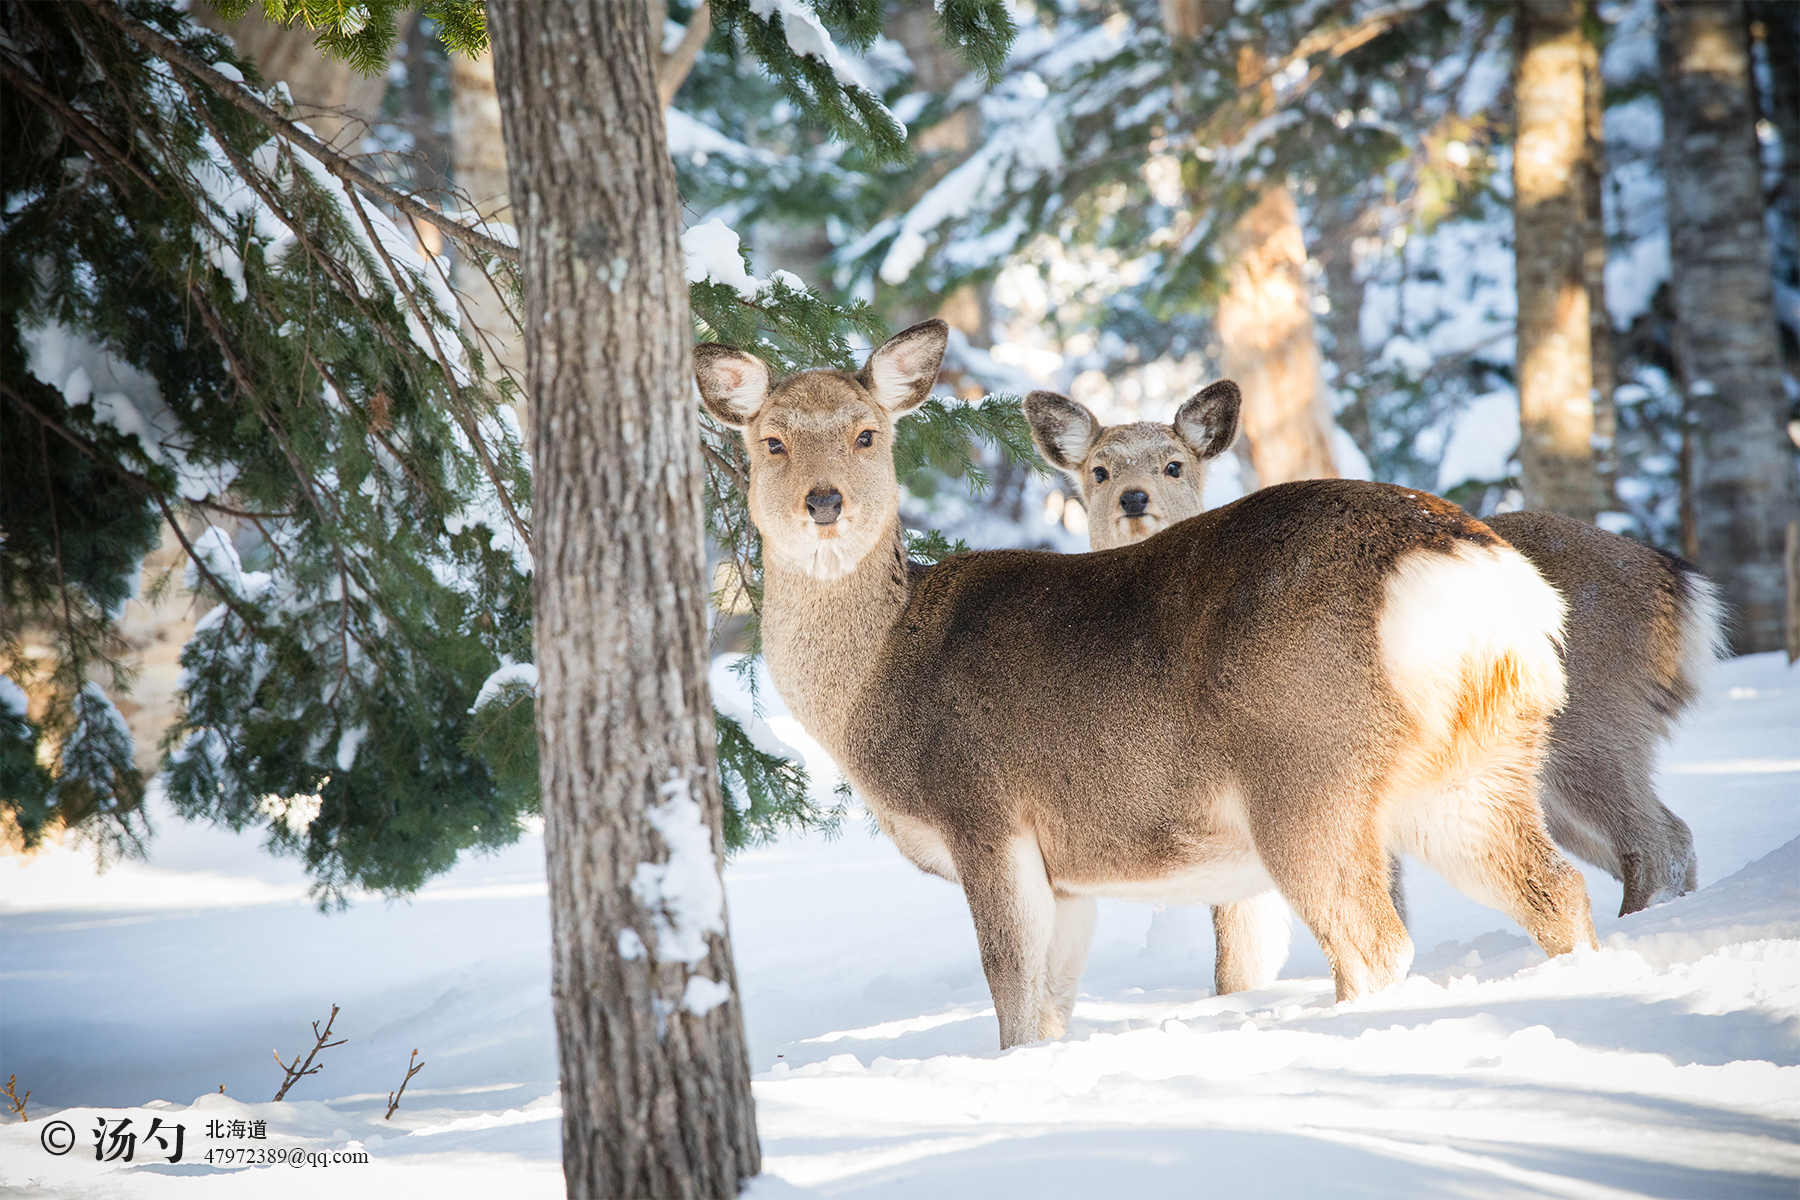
pixel 1643 625
pixel 1277 694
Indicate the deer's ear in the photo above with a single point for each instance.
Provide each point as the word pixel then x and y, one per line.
pixel 903 369
pixel 733 385
pixel 1209 421
pixel 1063 431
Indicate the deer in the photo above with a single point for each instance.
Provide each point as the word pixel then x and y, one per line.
pixel 1273 695
pixel 1643 627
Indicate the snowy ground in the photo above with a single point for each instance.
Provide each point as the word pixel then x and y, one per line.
pixel 1666 1064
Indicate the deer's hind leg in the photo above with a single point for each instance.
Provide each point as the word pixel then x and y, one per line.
pixel 1485 833
pixel 1070 936
pixel 1330 861
pixel 1601 806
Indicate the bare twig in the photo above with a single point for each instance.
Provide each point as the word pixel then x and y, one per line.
pixel 331 160
pixel 18 1101
pixel 297 1070
pixel 394 1097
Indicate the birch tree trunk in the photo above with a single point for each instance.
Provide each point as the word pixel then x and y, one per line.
pixel 1551 218
pixel 655 1077
pixel 1742 479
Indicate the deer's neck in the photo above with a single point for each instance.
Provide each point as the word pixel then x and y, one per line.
pixel 822 639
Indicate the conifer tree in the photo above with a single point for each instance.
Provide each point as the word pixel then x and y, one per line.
pixel 212 323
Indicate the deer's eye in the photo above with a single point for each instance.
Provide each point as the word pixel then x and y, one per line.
pixel 1173 470
pixel 775 446
pixel 866 438
pixel 1100 475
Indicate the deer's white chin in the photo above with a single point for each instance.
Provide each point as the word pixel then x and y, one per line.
pixel 827 553
pixel 1138 528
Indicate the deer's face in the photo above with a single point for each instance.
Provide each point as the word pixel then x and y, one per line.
pixel 1140 478
pixel 822 488
pixel 1136 480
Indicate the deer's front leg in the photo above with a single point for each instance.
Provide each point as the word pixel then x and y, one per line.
pixel 1069 942
pixel 1015 915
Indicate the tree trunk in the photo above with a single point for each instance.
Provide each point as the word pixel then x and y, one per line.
pixel 1600 329
pixel 478 168
pixel 1742 474
pixel 1265 320
pixel 1265 324
pixel 1551 218
pixel 655 1082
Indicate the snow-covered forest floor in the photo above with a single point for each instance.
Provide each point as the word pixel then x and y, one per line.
pixel 1666 1064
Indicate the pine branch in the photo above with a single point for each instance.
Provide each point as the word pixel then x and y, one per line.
pixel 470 428
pixel 92 140
pixel 296 1071
pixel 394 1097
pixel 235 93
pixel 140 482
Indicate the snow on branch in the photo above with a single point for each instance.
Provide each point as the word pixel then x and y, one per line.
pixel 237 94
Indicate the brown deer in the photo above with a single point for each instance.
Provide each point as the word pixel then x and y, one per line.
pixel 1643 624
pixel 1275 694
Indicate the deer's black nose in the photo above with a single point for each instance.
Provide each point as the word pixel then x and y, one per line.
pixel 825 506
pixel 1134 503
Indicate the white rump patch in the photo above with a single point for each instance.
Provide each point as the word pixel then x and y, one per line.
pixel 1473 607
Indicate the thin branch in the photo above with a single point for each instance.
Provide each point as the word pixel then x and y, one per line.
pixel 62 584
pixel 18 1101
pixel 394 1097
pixel 225 594
pixel 675 68
pixel 720 461
pixel 296 1071
pixel 1335 43
pixel 331 160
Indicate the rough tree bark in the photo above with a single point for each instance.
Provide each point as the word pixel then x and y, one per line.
pixel 656 1097
pixel 1552 172
pixel 1742 477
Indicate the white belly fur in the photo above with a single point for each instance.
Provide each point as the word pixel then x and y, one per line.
pixel 1219 880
